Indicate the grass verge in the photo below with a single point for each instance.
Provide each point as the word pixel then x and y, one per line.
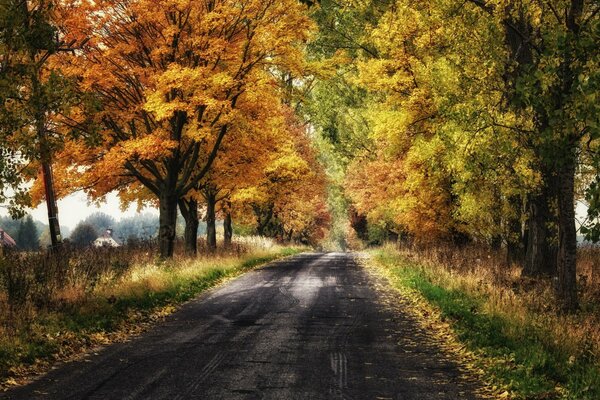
pixel 116 311
pixel 523 354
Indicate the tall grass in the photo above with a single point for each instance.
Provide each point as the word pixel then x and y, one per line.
pixel 55 306
pixel 525 345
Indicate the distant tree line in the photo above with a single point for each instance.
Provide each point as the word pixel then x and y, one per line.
pixel 24 231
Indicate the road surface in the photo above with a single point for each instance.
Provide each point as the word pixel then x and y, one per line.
pixel 308 327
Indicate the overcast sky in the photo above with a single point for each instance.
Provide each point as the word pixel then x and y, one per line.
pixel 75 208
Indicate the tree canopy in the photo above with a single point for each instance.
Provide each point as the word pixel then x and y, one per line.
pixel 426 122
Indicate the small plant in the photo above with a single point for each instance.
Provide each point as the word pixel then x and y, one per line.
pixel 17 281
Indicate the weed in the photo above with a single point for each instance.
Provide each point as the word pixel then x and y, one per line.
pixel 522 343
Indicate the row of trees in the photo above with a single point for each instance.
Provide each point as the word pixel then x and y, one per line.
pixel 31 235
pixel 171 103
pixel 469 121
pixel 143 227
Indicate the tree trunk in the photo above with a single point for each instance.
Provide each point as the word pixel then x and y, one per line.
pixel 227 230
pixel 567 236
pixel 496 240
pixel 211 229
pixel 567 233
pixel 189 211
pixel 263 219
pixel 541 255
pixel 45 158
pixel 167 220
pixel 514 239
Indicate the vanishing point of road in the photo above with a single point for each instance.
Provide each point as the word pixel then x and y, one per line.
pixel 308 327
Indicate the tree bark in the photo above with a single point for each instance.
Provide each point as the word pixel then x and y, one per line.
pixel 514 238
pixel 541 255
pixel 567 236
pixel 227 230
pixel 211 229
pixel 496 239
pixel 263 218
pixel 567 233
pixel 167 220
pixel 45 154
pixel 189 211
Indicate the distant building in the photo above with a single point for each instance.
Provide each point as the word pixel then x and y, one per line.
pixel 6 240
pixel 106 240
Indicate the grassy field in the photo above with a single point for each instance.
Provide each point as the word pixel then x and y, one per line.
pixel 78 316
pixel 516 339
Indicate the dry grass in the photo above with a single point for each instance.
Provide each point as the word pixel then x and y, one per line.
pixel 56 307
pixel 521 299
pixel 34 283
pixel 527 305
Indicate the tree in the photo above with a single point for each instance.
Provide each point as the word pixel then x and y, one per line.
pixel 34 94
pixel 100 221
pixel 141 227
pixel 169 78
pixel 28 237
pixel 243 155
pixel 486 122
pixel 83 235
pixel 556 81
pixel 288 201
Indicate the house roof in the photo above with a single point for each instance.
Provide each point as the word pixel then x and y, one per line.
pixel 106 239
pixel 6 240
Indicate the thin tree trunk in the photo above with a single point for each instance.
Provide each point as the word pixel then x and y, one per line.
pixel 227 230
pixel 514 240
pixel 45 157
pixel 189 211
pixel 496 241
pixel 211 229
pixel 567 235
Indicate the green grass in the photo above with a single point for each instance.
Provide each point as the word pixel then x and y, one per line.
pixel 117 310
pixel 516 354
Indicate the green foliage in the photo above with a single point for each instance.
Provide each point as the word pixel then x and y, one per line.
pixel 84 234
pixel 25 231
pixel 140 227
pixel 591 227
pixel 244 230
pixel 100 221
pixel 10 225
pixel 31 95
pixel 28 237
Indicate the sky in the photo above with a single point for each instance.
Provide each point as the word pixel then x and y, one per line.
pixel 75 208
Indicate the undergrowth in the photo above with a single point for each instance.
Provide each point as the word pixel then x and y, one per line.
pixel 78 317
pixel 525 349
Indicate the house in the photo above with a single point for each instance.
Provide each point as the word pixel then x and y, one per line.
pixel 6 240
pixel 106 240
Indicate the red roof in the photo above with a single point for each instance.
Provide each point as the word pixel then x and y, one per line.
pixel 6 240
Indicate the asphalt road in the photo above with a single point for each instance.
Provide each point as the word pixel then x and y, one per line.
pixel 309 327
